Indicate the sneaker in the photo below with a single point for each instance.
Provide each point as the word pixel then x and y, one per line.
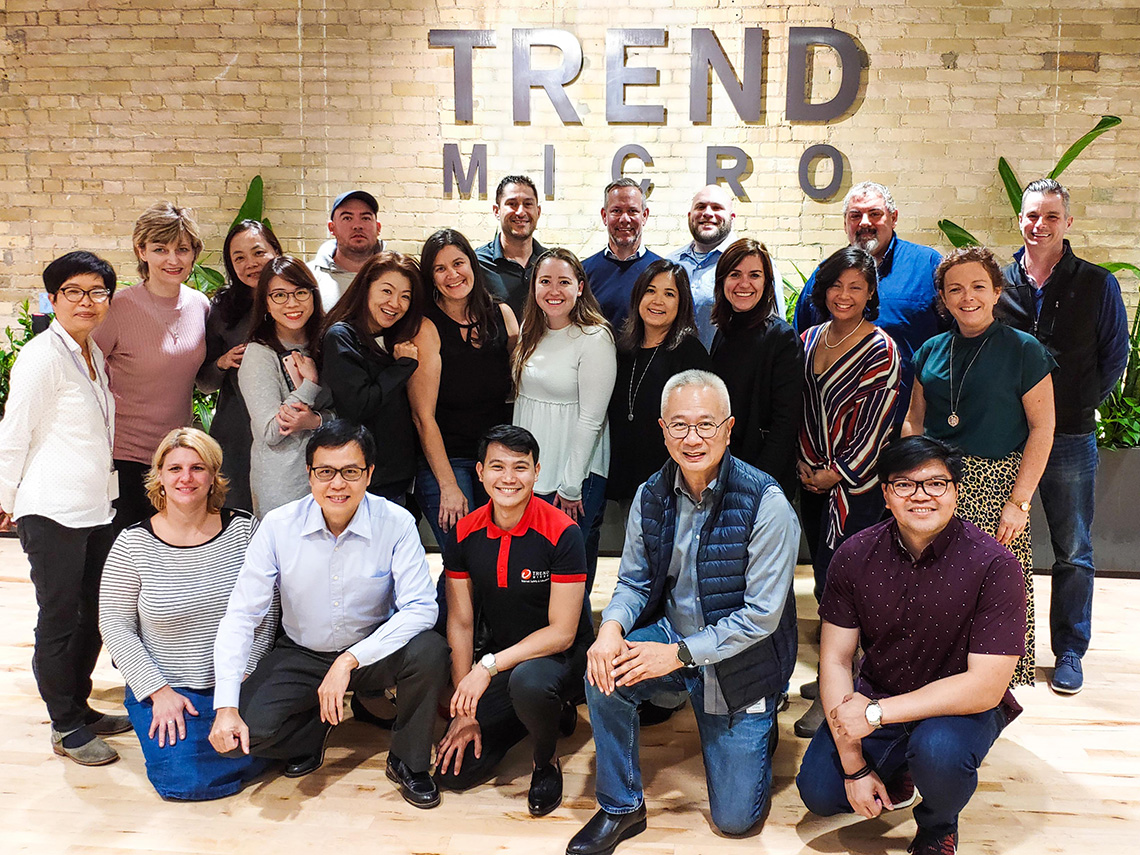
pixel 930 844
pixel 901 792
pixel 91 752
pixel 1068 679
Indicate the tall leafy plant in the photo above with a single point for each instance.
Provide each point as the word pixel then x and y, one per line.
pixel 16 339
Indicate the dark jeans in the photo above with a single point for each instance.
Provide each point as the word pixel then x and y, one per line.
pixel 864 511
pixel 1067 491
pixel 67 564
pixel 132 506
pixel 279 699
pixel 526 699
pixel 942 755
pixel 593 511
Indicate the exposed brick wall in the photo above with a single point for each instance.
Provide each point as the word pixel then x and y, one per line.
pixel 107 106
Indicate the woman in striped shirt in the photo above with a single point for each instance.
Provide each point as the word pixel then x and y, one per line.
pixel 165 588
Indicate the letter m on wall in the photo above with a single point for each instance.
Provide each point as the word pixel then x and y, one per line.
pixel 707 53
pixel 453 170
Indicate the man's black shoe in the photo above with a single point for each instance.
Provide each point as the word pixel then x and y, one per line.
pixel 298 767
pixel 568 719
pixel 417 788
pixel 602 834
pixel 649 713
pixel 362 714
pixel 545 789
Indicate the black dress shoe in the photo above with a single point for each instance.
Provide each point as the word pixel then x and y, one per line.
pixel 568 719
pixel 362 714
pixel 418 788
pixel 298 767
pixel 602 834
pixel 650 714
pixel 545 792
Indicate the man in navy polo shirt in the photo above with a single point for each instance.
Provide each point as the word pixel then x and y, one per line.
pixel 509 257
pixel 523 563
pixel 939 609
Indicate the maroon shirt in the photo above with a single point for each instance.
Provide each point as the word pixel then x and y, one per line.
pixel 919 620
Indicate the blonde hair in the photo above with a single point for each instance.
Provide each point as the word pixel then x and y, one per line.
pixel 162 222
pixel 207 448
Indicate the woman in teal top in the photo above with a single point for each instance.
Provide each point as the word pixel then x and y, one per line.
pixel 986 388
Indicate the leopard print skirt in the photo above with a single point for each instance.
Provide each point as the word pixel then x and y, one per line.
pixel 986 484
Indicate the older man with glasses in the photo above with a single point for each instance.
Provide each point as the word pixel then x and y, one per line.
pixel 357 609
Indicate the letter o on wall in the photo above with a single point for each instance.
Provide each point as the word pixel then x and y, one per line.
pixel 821 194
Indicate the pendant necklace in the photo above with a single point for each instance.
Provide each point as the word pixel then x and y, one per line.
pixel 953 419
pixel 828 330
pixel 171 320
pixel 633 390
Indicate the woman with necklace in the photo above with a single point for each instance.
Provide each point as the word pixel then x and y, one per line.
pixel 279 382
pixel 852 371
pixel 986 387
pixel 462 386
pixel 659 339
pixel 57 479
pixel 760 358
pixel 154 339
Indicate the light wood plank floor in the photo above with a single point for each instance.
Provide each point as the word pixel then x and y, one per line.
pixel 1064 778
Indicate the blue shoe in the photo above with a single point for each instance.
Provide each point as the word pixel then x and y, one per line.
pixel 1067 676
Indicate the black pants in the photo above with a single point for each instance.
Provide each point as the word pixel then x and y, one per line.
pixel 279 700
pixel 67 564
pixel 132 506
pixel 526 699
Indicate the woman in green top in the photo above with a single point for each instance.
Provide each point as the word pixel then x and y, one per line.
pixel 986 387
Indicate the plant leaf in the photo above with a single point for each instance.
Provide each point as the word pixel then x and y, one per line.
pixel 252 207
pixel 1106 123
pixel 1012 185
pixel 1117 266
pixel 957 235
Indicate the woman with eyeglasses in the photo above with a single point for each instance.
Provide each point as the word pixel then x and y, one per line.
pixel 155 341
pixel 165 589
pixel 988 389
pixel 57 478
pixel 760 358
pixel 247 248
pixel 279 381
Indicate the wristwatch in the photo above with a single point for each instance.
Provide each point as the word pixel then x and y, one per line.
pixel 1024 506
pixel 684 655
pixel 488 662
pixel 874 715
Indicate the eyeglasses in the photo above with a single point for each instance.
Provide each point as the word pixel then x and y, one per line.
pixel 327 473
pixel 303 295
pixel 904 488
pixel 74 294
pixel 705 430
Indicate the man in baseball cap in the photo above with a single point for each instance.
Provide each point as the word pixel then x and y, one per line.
pixel 355 232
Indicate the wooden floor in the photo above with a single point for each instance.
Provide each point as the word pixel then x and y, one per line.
pixel 1064 778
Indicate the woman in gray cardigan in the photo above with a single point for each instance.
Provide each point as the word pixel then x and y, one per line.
pixel 279 382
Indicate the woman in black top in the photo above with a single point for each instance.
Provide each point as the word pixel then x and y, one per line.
pixel 369 353
pixel 247 248
pixel 463 384
pixel 761 360
pixel 658 340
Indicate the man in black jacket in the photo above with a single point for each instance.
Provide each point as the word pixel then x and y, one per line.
pixel 1075 309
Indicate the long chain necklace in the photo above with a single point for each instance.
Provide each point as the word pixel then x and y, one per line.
pixel 953 419
pixel 828 330
pixel 634 389
pixel 172 315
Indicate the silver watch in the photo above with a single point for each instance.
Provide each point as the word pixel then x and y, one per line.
pixel 874 715
pixel 488 662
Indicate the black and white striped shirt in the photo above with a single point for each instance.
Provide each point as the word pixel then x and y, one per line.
pixel 160 605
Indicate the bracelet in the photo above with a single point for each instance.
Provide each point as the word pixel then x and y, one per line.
pixel 862 773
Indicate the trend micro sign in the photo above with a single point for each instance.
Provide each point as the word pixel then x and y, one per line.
pixel 724 163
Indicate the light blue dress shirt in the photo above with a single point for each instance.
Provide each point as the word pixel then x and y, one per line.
pixel 367 591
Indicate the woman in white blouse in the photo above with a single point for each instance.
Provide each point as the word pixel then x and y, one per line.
pixel 564 370
pixel 57 479
pixel 165 589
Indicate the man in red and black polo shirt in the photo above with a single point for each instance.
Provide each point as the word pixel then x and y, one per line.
pixel 522 563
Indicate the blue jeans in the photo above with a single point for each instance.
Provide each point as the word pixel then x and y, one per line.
pixel 942 755
pixel 427 490
pixel 190 768
pixel 593 510
pixel 1067 496
pixel 736 749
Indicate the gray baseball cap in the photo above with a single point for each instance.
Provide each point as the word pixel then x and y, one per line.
pixel 363 195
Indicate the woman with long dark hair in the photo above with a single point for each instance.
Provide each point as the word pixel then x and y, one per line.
pixel 279 381
pixel 247 248
pixel 462 386
pixel 369 353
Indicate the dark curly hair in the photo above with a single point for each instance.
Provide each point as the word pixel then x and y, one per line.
pixel 838 263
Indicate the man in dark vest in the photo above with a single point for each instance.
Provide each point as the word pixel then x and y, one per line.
pixel 704 604
pixel 1075 309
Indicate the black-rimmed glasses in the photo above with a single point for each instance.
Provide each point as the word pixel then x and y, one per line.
pixel 705 430
pixel 75 294
pixel 303 295
pixel 327 473
pixel 904 488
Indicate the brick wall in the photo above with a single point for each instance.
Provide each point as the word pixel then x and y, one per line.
pixel 108 106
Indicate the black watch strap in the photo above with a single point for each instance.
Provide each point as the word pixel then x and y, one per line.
pixel 684 655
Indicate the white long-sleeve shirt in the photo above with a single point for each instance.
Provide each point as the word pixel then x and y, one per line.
pixel 57 434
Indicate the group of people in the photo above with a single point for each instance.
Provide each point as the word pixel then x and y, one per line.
pixel 245 581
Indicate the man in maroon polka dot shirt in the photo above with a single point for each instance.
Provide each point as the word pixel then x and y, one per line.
pixel 938 608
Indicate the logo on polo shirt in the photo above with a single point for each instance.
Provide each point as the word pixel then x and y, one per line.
pixel 529 575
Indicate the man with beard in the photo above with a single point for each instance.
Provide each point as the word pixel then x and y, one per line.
pixel 355 238
pixel 613 271
pixel 507 259
pixel 710 224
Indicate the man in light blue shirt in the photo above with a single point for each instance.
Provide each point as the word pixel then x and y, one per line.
pixel 357 609
pixel 703 603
